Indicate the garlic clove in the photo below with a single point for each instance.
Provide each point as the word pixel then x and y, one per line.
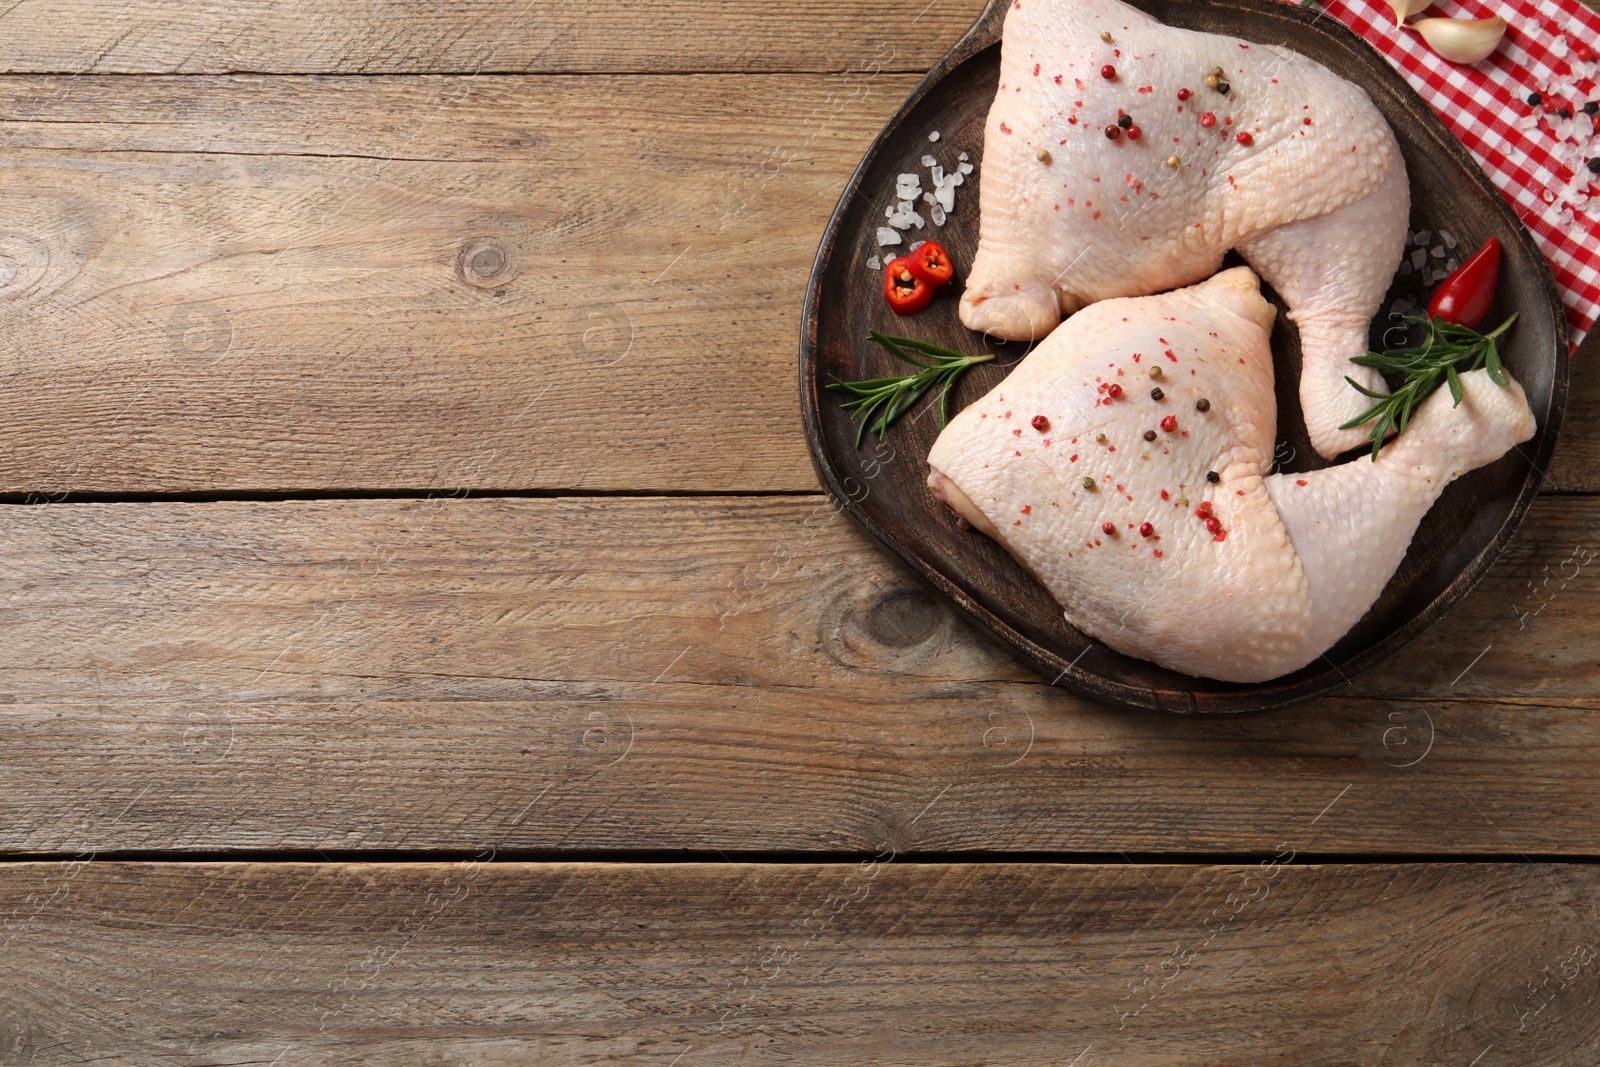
pixel 1462 40
pixel 1404 9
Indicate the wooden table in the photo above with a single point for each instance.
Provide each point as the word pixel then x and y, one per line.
pixel 424 640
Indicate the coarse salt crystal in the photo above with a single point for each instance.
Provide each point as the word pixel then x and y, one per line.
pixel 1449 239
pixel 1438 252
pixel 936 213
pixel 886 236
pixel 1424 236
pixel 946 198
pixel 962 157
pixel 964 168
pixel 938 175
pixel 1451 264
pixel 874 263
pixel 916 245
pixel 929 161
pixel 1418 258
pixel 934 136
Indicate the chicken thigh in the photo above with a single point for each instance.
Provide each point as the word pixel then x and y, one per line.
pixel 1292 166
pixel 1125 462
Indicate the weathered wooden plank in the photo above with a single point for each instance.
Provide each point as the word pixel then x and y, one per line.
pixel 241 283
pixel 472 36
pixel 1576 464
pixel 878 962
pixel 725 673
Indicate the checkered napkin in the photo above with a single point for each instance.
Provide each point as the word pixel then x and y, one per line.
pixel 1536 157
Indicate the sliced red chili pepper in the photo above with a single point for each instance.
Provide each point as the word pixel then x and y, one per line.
pixel 932 263
pixel 907 294
pixel 1465 296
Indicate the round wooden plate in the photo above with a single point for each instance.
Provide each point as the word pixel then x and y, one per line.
pixel 883 485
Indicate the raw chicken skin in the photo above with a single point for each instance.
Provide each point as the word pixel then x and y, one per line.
pixel 1317 201
pixel 1299 557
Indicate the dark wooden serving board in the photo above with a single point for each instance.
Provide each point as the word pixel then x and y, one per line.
pixel 883 485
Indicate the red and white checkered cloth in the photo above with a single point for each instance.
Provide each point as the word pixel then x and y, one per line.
pixel 1536 157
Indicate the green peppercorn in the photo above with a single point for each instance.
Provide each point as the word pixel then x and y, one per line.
pixel 1088 483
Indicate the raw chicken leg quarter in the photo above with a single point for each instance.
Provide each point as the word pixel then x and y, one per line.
pixel 1114 508
pixel 1291 165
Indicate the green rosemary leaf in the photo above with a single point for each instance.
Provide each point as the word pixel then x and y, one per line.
pixel 1415 372
pixel 879 402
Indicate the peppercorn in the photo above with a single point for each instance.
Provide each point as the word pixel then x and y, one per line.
pixel 1155 372
pixel 1124 121
pixel 1202 405
pixel 1099 438
pixel 1133 133
pixel 1534 99
pixel 1208 120
pixel 1591 107
pixel 1212 79
pixel 1113 131
pixel 1594 164
pixel 1223 87
pixel 1105 35
pixel 1244 138
pixel 1173 161
pixel 1147 529
pixel 1564 112
pixel 1213 477
pixel 1043 156
pixel 1157 394
pixel 1149 435
pixel 1108 72
pixel 1109 529
pixel 1184 94
pixel 1088 483
pixel 1213 524
pixel 1169 424
pixel 1041 423
pixel 1114 391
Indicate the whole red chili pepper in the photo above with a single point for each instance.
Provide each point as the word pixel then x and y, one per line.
pixel 931 263
pixel 907 294
pixel 1465 296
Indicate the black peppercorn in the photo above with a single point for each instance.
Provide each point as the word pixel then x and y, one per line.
pixel 1591 107
pixel 1157 394
pixel 1213 477
pixel 1124 121
pixel 1149 435
pixel 1563 112
pixel 1594 165
pixel 1223 87
pixel 1534 99
pixel 1202 405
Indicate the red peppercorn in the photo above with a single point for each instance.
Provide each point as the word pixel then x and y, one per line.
pixel 1114 391
pixel 1208 120
pixel 1133 133
pixel 1244 138
pixel 1108 72
pixel 1113 131
pixel 1146 530
pixel 1184 94
pixel 1041 423
pixel 1109 528
pixel 1213 524
pixel 1204 510
pixel 1169 424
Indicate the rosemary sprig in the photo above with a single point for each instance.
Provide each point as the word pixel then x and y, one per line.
pixel 1448 351
pixel 886 399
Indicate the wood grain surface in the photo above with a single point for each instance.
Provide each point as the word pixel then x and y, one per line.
pixel 876 962
pixel 708 673
pixel 550 282
pixel 469 36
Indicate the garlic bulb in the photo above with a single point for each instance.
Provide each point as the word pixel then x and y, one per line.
pixel 1404 9
pixel 1462 40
